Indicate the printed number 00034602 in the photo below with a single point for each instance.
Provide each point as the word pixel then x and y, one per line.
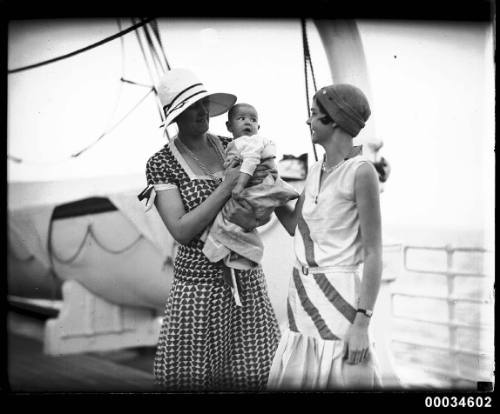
pixel 470 401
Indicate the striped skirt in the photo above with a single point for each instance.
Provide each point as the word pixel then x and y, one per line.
pixel 321 307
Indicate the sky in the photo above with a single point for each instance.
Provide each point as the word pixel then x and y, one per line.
pixel 432 92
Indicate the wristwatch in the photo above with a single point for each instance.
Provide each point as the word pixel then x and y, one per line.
pixel 367 312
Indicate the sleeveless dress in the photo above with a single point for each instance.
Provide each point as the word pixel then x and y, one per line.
pixel 206 342
pixel 324 289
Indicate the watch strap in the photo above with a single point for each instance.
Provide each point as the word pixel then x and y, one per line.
pixel 366 312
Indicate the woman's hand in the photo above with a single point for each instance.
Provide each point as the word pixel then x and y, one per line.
pixel 231 175
pixel 263 170
pixel 357 342
pixel 241 213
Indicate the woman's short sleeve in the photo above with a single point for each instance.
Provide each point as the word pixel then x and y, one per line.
pixel 224 141
pixel 159 173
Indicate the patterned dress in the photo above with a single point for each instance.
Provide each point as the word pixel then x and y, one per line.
pixel 206 342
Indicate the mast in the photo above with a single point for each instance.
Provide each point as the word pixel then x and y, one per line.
pixel 344 51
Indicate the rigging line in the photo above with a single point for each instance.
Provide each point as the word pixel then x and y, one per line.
pixel 136 83
pixel 152 50
pixel 312 74
pixel 117 101
pixel 77 154
pixel 158 47
pixel 159 72
pixel 305 49
pixel 76 52
pixel 122 66
pixel 144 56
pixel 113 127
pixel 159 106
pixel 156 31
pixel 150 72
pixel 307 53
pixel 39 163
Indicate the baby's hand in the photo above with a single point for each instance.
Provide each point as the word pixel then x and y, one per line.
pixel 232 162
pixel 238 188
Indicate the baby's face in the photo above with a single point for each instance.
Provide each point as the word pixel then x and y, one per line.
pixel 245 121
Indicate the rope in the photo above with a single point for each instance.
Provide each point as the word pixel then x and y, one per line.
pixel 77 154
pixel 119 251
pixel 113 127
pixel 76 52
pixel 156 58
pixel 88 233
pixel 307 60
pixel 154 52
pixel 122 66
pixel 137 83
pixel 156 61
pixel 154 25
pixel 150 72
pixel 108 130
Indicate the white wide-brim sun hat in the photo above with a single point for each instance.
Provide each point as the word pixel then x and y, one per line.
pixel 180 88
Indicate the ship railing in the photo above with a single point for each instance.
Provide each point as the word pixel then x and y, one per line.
pixel 454 376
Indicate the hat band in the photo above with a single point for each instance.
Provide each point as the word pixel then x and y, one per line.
pixel 171 104
pixel 182 103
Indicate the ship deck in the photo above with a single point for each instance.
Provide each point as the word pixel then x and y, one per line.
pixel 30 370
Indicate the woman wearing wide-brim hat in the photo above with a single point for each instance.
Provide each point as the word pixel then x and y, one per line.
pixel 206 342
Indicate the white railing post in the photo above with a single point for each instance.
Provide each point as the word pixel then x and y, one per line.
pixel 452 328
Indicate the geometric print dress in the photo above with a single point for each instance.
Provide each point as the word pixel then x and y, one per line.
pixel 206 342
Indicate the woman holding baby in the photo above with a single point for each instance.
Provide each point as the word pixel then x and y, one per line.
pixel 207 341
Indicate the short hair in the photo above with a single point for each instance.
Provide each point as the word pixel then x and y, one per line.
pixel 327 119
pixel 235 107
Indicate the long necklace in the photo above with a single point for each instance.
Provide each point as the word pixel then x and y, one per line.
pixel 326 170
pixel 200 164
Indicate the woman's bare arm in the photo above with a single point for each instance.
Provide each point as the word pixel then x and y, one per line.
pixel 368 201
pixel 288 215
pixel 366 191
pixel 185 226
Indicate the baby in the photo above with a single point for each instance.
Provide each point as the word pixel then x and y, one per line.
pixel 226 241
pixel 247 146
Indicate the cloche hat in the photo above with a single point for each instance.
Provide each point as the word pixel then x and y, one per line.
pixel 347 105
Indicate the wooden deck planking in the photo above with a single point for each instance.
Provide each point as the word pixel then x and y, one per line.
pixel 31 370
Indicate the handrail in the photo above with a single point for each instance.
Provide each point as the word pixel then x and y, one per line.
pixel 455 374
pixel 453 299
pixel 440 347
pixel 447 273
pixel 443 323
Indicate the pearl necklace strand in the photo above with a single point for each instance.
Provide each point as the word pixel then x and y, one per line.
pixel 328 170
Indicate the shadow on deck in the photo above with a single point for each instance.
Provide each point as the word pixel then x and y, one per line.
pixel 30 370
